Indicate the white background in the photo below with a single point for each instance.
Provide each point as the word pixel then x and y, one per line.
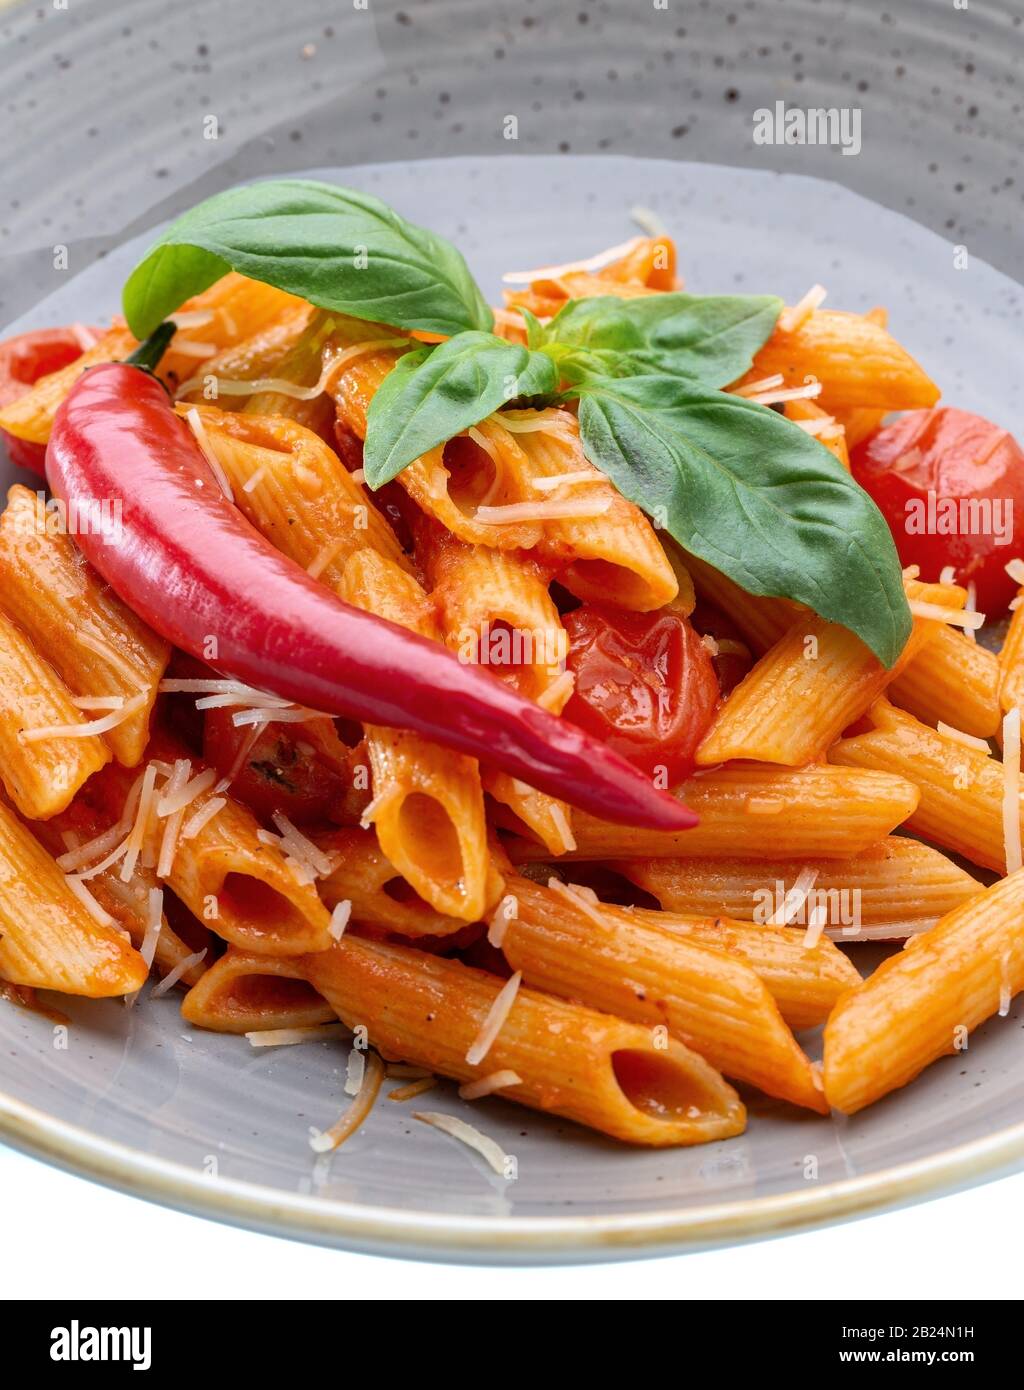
pixel 64 1238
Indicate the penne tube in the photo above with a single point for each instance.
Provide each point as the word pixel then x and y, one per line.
pixel 712 1001
pixel 961 788
pixel 762 621
pixel 921 1004
pixel 380 897
pixel 607 551
pixel 428 805
pixel 597 1070
pixel 757 811
pixel 952 680
pixel 246 993
pixel 127 903
pixel 1009 665
pixel 97 645
pixel 806 689
pixel 887 892
pixel 495 610
pixel 235 883
pixel 40 775
pixel 857 361
pixel 302 366
pixel 252 358
pixel 805 981
pixel 48 937
pixel 297 493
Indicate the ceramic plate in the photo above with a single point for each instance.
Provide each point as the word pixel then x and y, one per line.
pixel 200 1121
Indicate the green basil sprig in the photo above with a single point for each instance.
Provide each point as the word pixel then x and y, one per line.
pixel 741 487
pixel 341 250
pixel 709 338
pixel 434 394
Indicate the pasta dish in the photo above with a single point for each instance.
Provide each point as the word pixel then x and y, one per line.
pixel 573 699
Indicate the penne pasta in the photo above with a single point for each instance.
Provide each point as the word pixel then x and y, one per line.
pixel 75 622
pixel 712 1001
pixel 961 788
pixel 921 1004
pixel 817 679
pixel 246 993
pixel 758 811
pixel 589 1067
pixel 428 806
pixel 951 680
pixel 857 361
pixel 296 492
pixel 889 891
pixel 49 939
pixel 41 770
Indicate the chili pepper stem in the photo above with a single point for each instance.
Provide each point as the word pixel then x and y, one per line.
pixel 148 354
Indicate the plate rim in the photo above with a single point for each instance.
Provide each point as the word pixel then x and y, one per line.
pixel 484 1239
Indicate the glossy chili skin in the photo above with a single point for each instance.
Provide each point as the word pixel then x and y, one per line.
pixel 958 458
pixel 23 360
pixel 645 685
pixel 187 561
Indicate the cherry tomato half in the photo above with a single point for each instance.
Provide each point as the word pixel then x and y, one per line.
pixel 951 486
pixel 23 360
pixel 645 685
pixel 282 771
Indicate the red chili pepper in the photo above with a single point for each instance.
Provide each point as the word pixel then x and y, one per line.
pixel 23 360
pixel 189 563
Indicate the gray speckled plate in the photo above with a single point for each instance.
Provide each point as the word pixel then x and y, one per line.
pixel 201 1121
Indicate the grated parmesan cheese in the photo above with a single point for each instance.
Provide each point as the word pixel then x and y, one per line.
pixel 967 740
pixel 557 480
pixel 1015 569
pixel 947 575
pixel 492 1152
pixel 289 1037
pixel 515 512
pixel 413 1089
pixel 561 823
pixel 339 919
pixel 136 838
pixel 356 1112
pixel 806 392
pixel 577 895
pixel 487 1085
pixel 591 263
pixel 558 691
pixel 301 846
pixel 354 1071
pixel 495 1020
pixel 506 911
pixel 173 976
pixel 956 617
pixel 202 817
pixel 203 440
pixel 95 910
pixel 797 315
pixel 87 730
pixel 794 899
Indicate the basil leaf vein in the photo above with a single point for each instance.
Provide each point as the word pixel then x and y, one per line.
pixel 342 250
pixel 434 394
pixel 742 488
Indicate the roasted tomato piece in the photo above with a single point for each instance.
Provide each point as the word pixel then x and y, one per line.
pixel 645 684
pixel 951 486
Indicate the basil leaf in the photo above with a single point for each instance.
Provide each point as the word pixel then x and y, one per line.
pixel 339 249
pixel 742 488
pixel 711 338
pixel 433 395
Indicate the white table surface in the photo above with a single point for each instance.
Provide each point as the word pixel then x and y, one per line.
pixel 65 1238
